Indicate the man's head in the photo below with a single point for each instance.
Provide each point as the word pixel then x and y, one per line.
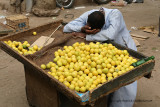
pixel 96 20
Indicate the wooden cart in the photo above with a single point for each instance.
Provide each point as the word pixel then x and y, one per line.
pixel 43 90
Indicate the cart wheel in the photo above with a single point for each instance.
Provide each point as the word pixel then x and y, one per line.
pixel 102 1
pixel 129 1
pixel 30 105
pixel 65 3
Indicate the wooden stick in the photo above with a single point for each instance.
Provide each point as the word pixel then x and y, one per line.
pixel 139 36
pixel 51 35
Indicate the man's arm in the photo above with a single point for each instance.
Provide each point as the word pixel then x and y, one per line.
pixel 77 24
pixel 111 32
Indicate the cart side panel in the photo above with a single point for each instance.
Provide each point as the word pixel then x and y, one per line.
pixel 124 79
pixel 38 91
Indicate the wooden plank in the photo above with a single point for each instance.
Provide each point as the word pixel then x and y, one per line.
pixel 150 31
pixel 40 41
pixel 155 32
pixel 4 29
pixel 136 42
pixel 16 17
pixel 66 102
pixel 139 36
pixel 39 92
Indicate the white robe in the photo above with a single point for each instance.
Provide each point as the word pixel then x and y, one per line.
pixel 113 29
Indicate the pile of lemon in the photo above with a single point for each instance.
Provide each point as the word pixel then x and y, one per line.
pixel 22 48
pixel 83 67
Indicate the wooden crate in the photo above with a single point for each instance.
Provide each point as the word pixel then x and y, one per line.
pixel 18 22
pixel 32 67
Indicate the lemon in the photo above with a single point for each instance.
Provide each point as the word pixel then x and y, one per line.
pixel 86 71
pixel 69 78
pixel 66 83
pixel 74 74
pixel 5 42
pixel 109 66
pixel 99 71
pixel 66 74
pixel 48 66
pixel 109 75
pixel 34 33
pixel 77 88
pixel 103 81
pixel 103 75
pixel 49 73
pixel 61 80
pixel 28 45
pixel 20 48
pixel 90 75
pixel 93 86
pixel 80 84
pixel 95 73
pixel 131 67
pixel 53 74
pixel 119 72
pixel 43 66
pixel 72 87
pixel 110 78
pixel 111 70
pixel 115 74
pixel 105 70
pixel 35 47
pixel 82 89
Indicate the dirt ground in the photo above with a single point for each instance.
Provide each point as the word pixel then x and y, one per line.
pixel 12 79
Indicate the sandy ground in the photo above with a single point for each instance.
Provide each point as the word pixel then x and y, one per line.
pixel 12 80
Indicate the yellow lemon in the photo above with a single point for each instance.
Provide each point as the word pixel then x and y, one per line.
pixel 34 33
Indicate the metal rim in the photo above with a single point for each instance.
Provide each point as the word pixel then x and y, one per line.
pixel 64 3
pixel 102 1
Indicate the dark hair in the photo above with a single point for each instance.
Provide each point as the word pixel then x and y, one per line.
pixel 96 20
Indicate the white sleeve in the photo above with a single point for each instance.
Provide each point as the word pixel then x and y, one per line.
pixel 111 32
pixel 77 24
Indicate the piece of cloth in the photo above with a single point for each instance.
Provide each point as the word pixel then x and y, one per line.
pixel 113 29
pixel 123 97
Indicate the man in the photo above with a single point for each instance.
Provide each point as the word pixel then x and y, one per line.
pixel 17 5
pixel 101 25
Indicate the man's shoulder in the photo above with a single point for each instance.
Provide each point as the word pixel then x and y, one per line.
pixel 105 9
pixel 111 10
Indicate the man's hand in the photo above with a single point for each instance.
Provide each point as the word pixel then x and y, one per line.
pixel 84 28
pixel 87 29
pixel 94 31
